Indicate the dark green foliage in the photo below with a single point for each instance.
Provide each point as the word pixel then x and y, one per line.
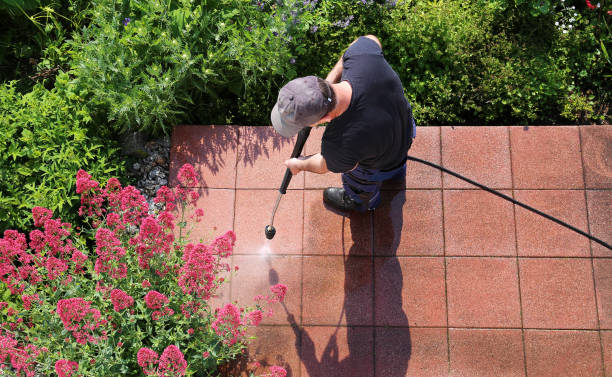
pixel 44 143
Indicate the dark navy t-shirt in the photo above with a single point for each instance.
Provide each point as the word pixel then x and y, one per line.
pixel 376 130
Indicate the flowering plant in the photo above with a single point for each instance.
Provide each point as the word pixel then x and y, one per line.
pixel 136 301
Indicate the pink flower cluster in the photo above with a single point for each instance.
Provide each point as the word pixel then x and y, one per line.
pixel 203 263
pixel 50 250
pixel 66 368
pixel 110 255
pixel 228 324
pixel 156 300
pixel 29 299
pixel 22 358
pixel 171 363
pixel 121 300
pixel 147 359
pixel 152 241
pixel 80 319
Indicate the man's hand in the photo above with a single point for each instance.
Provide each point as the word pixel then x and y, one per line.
pixel 315 163
pixel 294 164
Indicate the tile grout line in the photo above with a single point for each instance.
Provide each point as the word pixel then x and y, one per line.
pixel 448 346
pixel 518 265
pixel 588 229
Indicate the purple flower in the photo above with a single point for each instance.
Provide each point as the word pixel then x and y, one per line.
pixel 314 28
pixel 126 21
pixel 292 60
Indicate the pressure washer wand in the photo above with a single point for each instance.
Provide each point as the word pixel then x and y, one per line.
pixel 297 150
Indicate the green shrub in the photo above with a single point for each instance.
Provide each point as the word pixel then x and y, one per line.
pixel 151 64
pixel 44 143
pixel 31 35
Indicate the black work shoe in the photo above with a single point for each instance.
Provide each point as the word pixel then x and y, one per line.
pixel 338 199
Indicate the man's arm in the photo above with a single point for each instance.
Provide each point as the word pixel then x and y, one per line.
pixel 314 163
pixel 335 74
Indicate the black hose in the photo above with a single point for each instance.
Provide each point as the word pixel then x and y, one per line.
pixel 511 200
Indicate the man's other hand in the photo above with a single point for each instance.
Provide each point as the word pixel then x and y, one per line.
pixel 294 164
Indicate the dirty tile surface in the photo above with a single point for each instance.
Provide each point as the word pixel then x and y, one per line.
pixel 442 279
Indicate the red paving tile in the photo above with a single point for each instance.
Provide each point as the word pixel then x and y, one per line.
pixel 211 150
pixel 479 153
pixel 557 293
pixel 328 233
pixel 400 215
pixel 273 345
pixel 426 259
pixel 409 291
pixel 538 236
pixel 546 157
pixel 337 290
pixel 597 155
pixel 606 340
pixel 333 351
pixel 253 214
pixel 425 146
pixel 478 223
pixel 261 158
pixel 218 207
pixel 477 352
pixel 415 352
pixel 563 353
pixel 603 285
pixel 257 273
pixel 600 220
pixel 483 292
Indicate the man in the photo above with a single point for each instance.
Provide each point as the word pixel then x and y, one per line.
pixel 370 124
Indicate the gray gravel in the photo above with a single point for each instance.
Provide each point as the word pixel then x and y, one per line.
pixel 151 168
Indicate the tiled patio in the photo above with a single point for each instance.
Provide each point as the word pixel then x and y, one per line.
pixel 442 279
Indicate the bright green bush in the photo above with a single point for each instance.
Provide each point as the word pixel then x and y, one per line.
pixel 44 143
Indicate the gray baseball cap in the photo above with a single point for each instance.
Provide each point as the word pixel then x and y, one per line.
pixel 300 103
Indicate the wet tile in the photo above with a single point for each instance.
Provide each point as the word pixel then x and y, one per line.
pixel 600 221
pixel 329 233
pixel 557 293
pixel 603 286
pixel 478 352
pixel 253 213
pixel 255 276
pixel 410 291
pixel 539 236
pixel 261 157
pixel 606 339
pixel 478 223
pixel 483 292
pixel 563 353
pixel 313 180
pixel 597 156
pixel 218 207
pixel 337 290
pixel 333 351
pixel 211 150
pixel 425 146
pixel 402 351
pixel 478 153
pixel 273 345
pixel 409 223
pixel 546 157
